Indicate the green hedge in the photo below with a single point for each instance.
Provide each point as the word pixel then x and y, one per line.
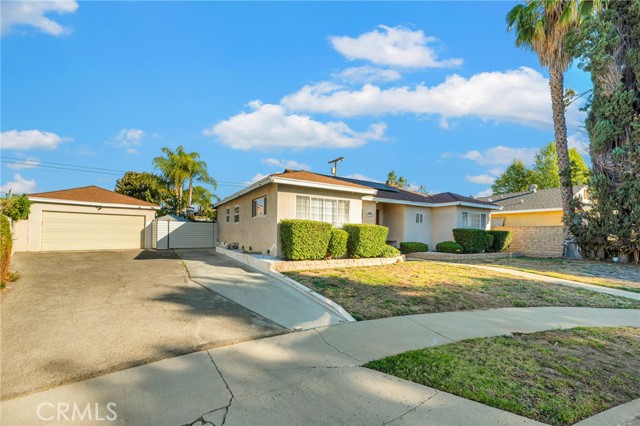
pixel 6 242
pixel 413 247
pixel 473 240
pixel 366 240
pixel 449 247
pixel 501 240
pixel 389 251
pixel 304 239
pixel 490 240
pixel 337 243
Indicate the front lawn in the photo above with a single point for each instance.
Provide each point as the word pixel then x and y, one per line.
pixel 424 287
pixel 557 377
pixel 615 275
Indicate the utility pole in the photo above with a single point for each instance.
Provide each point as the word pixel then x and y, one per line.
pixel 334 169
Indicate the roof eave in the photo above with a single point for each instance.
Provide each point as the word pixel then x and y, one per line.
pixel 91 203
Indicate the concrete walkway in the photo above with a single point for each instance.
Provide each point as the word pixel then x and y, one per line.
pixel 561 281
pixel 308 378
pixel 262 294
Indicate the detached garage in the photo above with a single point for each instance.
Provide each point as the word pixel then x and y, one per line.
pixel 87 218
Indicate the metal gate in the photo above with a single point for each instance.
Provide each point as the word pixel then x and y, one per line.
pixel 169 234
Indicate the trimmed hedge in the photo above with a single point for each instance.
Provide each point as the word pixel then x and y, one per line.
pixel 366 240
pixel 490 239
pixel 6 242
pixel 473 240
pixel 304 239
pixel 413 247
pixel 501 240
pixel 337 243
pixel 389 251
pixel 449 247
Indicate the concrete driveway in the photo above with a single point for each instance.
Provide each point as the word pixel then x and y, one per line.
pixel 76 315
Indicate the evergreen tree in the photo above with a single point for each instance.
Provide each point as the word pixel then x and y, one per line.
pixel 516 178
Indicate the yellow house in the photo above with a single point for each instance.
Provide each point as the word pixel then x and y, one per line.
pixel 250 217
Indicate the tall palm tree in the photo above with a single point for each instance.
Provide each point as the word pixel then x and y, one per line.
pixel 173 166
pixel 197 172
pixel 543 26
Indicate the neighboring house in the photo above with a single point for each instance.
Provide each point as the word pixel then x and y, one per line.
pixel 87 218
pixel 250 217
pixel 535 219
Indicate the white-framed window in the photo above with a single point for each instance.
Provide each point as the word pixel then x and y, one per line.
pixel 227 214
pixel 331 210
pixel 259 207
pixel 419 218
pixel 236 214
pixel 473 220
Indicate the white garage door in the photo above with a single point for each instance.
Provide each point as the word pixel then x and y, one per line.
pixel 86 231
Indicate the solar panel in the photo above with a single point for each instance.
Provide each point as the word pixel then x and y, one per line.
pixel 375 185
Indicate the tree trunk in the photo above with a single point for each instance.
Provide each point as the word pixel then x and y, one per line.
pixel 556 82
pixel 190 192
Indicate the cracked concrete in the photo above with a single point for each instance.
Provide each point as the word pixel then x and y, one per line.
pixel 312 377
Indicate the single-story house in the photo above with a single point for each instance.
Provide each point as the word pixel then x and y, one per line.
pixel 250 217
pixel 87 218
pixel 535 219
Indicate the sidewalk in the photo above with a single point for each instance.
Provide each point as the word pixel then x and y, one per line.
pixel 307 378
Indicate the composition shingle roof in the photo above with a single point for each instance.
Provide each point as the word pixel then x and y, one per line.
pixel 541 199
pixel 92 194
pixel 315 177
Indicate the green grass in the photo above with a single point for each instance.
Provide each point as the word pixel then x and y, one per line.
pixel 557 377
pixel 426 287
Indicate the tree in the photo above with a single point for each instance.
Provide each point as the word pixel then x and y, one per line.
pixel 197 172
pixel 611 48
pixel 16 207
pixel 399 181
pixel 203 199
pixel 546 168
pixel 173 166
pixel 144 186
pixel 516 178
pixel 543 26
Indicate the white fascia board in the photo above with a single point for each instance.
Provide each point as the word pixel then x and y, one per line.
pixel 92 204
pixel 454 203
pixel 407 203
pixel 467 204
pixel 531 211
pixel 320 185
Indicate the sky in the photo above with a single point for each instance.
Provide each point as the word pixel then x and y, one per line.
pixel 436 91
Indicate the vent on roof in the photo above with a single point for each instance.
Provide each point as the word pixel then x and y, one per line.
pixel 533 188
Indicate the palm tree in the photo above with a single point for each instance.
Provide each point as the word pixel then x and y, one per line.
pixel 197 172
pixel 173 166
pixel 543 26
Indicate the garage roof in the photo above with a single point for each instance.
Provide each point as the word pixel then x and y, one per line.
pixel 92 194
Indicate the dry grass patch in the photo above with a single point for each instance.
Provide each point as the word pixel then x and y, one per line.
pixel 557 377
pixel 425 287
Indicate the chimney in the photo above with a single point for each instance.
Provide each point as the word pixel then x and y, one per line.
pixel 533 187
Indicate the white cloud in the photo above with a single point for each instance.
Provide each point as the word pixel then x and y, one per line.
pixel 519 96
pixel 32 13
pixel 394 46
pixel 129 139
pixel 498 155
pixel 19 185
pixel 483 179
pixel 367 74
pixel 269 126
pixel 285 164
pixel 257 177
pixel 360 176
pixel 484 193
pixel 25 163
pixel 29 139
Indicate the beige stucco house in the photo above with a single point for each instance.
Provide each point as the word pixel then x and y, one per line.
pixel 87 218
pixel 250 217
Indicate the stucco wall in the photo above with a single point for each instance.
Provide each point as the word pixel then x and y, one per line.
pixel 28 233
pixel 252 233
pixel 394 220
pixel 369 207
pixel 420 232
pixel 445 219
pixel 530 219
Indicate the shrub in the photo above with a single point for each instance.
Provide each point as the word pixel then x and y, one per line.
pixel 449 247
pixel 304 239
pixel 413 247
pixel 17 207
pixel 389 251
pixel 501 240
pixel 337 243
pixel 6 242
pixel 490 240
pixel 366 240
pixel 473 240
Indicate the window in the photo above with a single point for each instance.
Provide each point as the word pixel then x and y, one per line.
pixel 419 218
pixel 259 207
pixel 227 214
pixel 236 214
pixel 474 220
pixel 336 212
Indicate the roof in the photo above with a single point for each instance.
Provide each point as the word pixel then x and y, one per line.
pixel 315 177
pixel 541 199
pixel 92 194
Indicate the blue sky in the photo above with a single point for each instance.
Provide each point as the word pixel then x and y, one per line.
pixel 436 91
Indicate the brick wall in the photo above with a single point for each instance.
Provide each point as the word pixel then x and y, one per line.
pixel 536 241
